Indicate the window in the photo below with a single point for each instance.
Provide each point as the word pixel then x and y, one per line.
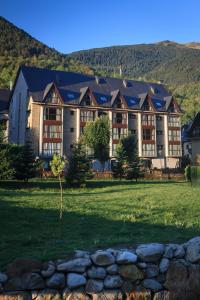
pixel 119 103
pixel 131 116
pixel 174 135
pixel 87 100
pixel 196 131
pixel 159 150
pixel 51 113
pixel 50 148
pixel 119 133
pixel 148 120
pixel 52 131
pixel 148 134
pixel 148 150
pixel 71 112
pixel 132 131
pixel 101 113
pixel 87 115
pixel 159 132
pixel 174 150
pixel 81 129
pixel 119 118
pixel 53 98
pixel 173 121
pixel 158 118
pixel 72 129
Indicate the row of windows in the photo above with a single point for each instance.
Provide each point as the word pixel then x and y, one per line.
pixel 51 148
pixel 119 133
pixel 51 113
pixel 148 120
pixel 119 118
pixel 174 150
pixel 52 131
pixel 86 116
pixel 148 134
pixel 173 121
pixel 148 150
pixel 174 135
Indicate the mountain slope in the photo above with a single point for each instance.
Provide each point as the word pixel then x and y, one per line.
pixel 174 63
pixel 17 47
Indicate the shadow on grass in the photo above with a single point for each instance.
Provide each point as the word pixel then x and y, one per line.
pixel 35 232
pixel 54 184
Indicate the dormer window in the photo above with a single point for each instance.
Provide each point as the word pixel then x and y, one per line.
pixel 87 100
pixel 53 97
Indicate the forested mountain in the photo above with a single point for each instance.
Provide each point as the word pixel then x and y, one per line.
pixel 17 47
pixel 174 63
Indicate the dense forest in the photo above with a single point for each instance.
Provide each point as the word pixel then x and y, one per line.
pixel 177 65
pixel 17 47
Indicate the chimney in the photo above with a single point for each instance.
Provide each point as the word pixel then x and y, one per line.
pixel 125 83
pixel 97 79
pixel 120 71
pixel 11 85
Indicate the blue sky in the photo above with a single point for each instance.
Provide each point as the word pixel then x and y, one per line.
pixel 71 25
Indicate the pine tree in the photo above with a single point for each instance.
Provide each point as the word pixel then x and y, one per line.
pixel 79 167
pixel 25 164
pixel 118 167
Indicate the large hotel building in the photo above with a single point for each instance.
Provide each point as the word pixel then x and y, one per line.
pixel 51 108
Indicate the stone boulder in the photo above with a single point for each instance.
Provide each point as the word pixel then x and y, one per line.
pixel 113 282
pixel 126 257
pixel 164 265
pixel 152 284
pixel 94 286
pixel 56 281
pixel 131 272
pixel 193 250
pixel 151 271
pixel 113 269
pixel 96 273
pixel 49 270
pixel 150 252
pixel 75 280
pixel 78 265
pixel 103 258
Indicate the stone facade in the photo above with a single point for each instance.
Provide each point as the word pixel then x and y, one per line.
pixel 148 272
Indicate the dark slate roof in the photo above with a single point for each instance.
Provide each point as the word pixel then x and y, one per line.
pixel 4 99
pixel 72 87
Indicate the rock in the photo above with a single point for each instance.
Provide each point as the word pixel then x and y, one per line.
pixel 131 272
pixel 127 286
pixel 108 295
pixel 151 271
pixel 113 269
pixel 193 250
pixel 113 282
pixel 164 265
pixel 150 252
pixel 94 286
pixel 32 281
pixel 56 281
pixel 103 258
pixel 126 257
pixel 114 252
pixel 47 294
pixel 152 284
pixel 3 277
pixel 96 272
pixel 23 265
pixel 75 280
pixel 76 265
pixel 179 251
pixel 49 270
pixel 176 277
pixel 169 252
pixel 81 254
pixel 160 278
pixel 142 265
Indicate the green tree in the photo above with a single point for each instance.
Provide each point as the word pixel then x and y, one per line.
pixel 132 168
pixel 6 171
pixel 97 137
pixel 24 163
pixel 58 164
pixel 79 167
pixel 118 167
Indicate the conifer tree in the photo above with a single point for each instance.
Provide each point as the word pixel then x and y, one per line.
pixel 118 167
pixel 79 167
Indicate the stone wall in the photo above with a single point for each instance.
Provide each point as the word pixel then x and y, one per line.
pixel 149 271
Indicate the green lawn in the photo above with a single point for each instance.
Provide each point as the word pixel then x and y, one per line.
pixel 107 213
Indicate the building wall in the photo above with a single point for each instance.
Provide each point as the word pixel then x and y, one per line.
pixel 18 112
pixel 69 124
pixel 196 152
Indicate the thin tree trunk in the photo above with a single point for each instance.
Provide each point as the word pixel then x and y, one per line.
pixel 61 198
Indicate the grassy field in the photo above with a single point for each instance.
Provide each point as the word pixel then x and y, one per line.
pixel 105 214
